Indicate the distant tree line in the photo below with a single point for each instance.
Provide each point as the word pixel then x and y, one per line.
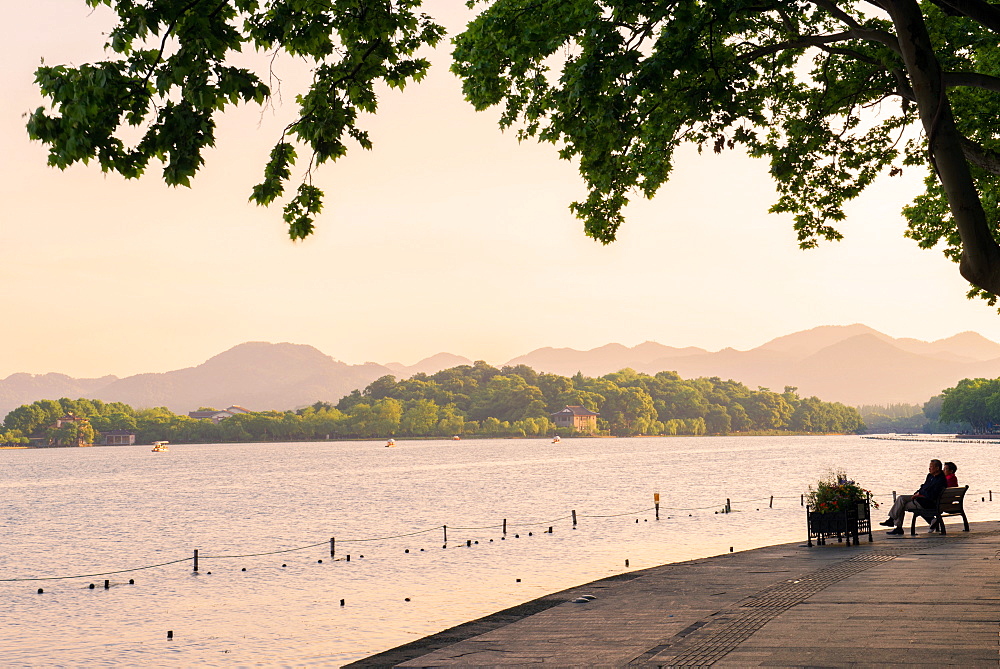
pixel 889 418
pixel 975 402
pixel 478 400
pixel 907 418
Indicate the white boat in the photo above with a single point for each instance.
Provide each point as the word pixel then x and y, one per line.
pixel 160 446
pixel 391 442
pixel 556 439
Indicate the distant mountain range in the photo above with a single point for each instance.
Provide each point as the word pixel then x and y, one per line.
pixel 853 364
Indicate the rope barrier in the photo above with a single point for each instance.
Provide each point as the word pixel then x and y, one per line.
pixel 436 528
pixel 543 522
pixel 394 536
pixel 286 550
pixel 106 573
pixel 616 515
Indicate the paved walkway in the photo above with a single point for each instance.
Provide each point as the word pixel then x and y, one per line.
pixel 909 601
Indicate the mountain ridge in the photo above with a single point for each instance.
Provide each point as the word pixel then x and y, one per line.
pixel 853 364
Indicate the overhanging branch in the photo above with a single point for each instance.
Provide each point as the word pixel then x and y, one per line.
pixel 984 13
pixel 980 261
pixel 971 79
pixel 981 157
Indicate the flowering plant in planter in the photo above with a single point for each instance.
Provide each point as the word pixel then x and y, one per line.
pixel 837 493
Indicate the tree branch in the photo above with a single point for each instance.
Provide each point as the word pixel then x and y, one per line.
pixel 972 79
pixel 980 262
pixel 853 54
pixel 981 157
pixel 856 29
pixel 166 35
pixel 984 13
pixel 797 43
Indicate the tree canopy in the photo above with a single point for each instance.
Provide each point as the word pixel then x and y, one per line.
pixel 479 399
pixel 973 401
pixel 832 93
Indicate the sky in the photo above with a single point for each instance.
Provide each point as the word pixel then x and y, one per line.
pixel 448 236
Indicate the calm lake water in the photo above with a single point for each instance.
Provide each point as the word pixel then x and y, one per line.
pixel 82 512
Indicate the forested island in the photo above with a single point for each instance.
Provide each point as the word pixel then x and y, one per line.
pixel 468 400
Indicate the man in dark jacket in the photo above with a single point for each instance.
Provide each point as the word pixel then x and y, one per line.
pixel 925 498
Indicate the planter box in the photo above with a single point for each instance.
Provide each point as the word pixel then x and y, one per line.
pixel 849 524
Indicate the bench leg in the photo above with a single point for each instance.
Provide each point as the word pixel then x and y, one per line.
pixel 966 521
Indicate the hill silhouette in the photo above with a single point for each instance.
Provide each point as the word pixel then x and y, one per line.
pixel 255 375
pixel 852 364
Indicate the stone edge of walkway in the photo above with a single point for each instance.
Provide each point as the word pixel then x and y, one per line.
pixel 499 619
pixel 473 628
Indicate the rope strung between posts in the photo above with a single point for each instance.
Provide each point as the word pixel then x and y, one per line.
pixel 435 528
pixel 106 573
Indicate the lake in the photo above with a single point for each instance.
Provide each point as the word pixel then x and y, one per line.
pixel 86 511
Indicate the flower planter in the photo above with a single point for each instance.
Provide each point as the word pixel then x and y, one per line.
pixel 848 524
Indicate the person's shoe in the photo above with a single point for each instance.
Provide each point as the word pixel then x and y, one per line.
pixel 888 523
pixel 895 532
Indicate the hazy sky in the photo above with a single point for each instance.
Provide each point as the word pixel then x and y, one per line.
pixel 449 236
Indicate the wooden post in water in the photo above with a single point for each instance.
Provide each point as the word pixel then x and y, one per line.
pixel 728 506
pixel 445 528
pixel 802 500
pixel 771 504
pixel 574 517
pixel 333 546
pixel 505 527
pixel 656 504
pixel 196 559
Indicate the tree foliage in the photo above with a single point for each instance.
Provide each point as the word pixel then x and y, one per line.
pixel 823 89
pixel 973 401
pixel 513 401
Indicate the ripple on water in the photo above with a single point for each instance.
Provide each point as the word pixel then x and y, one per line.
pixel 84 511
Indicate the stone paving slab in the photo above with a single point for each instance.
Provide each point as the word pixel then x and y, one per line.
pixel 901 601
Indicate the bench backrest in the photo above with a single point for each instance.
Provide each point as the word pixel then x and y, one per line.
pixel 951 499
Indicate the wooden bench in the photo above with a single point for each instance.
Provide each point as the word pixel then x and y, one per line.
pixel 950 503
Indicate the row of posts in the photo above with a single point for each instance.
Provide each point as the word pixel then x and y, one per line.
pixel 444 530
pixel 656 507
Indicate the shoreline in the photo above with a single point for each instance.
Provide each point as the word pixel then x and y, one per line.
pixel 475 437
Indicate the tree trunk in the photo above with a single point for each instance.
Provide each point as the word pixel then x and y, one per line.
pixel 980 263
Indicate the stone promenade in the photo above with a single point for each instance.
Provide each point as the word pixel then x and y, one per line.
pixel 925 600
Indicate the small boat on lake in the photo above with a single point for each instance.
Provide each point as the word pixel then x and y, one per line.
pixel 391 442
pixel 556 439
pixel 160 446
pixel 456 438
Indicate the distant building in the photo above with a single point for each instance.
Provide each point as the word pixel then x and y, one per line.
pixel 214 416
pixel 70 418
pixel 577 417
pixel 80 421
pixel 218 416
pixel 118 438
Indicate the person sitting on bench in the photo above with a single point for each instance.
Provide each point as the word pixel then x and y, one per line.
pixel 949 474
pixel 952 482
pixel 925 498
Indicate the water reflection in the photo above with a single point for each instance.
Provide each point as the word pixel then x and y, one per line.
pixel 87 511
